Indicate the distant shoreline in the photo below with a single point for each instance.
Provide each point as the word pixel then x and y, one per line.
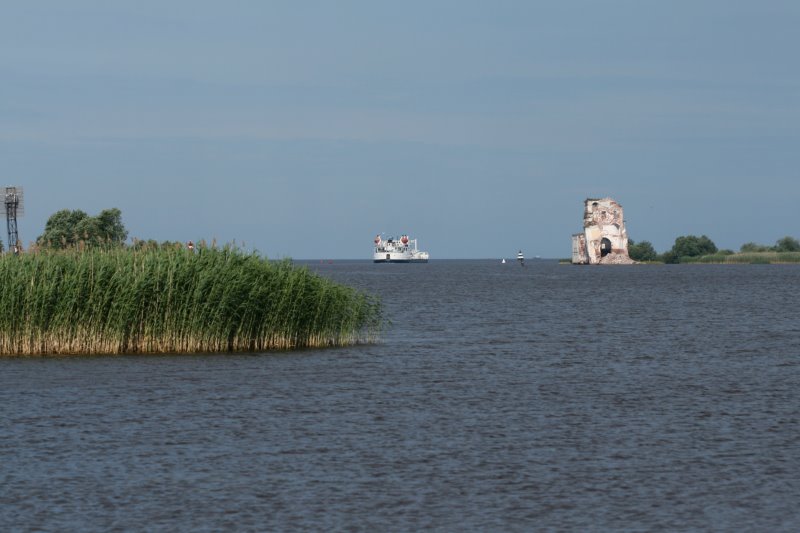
pixel 734 259
pixel 742 258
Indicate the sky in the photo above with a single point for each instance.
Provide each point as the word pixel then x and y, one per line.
pixel 302 129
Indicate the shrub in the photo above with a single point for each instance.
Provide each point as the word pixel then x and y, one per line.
pixel 641 251
pixel 787 244
pixel 693 246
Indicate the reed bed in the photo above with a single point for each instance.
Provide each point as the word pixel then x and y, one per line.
pixel 747 258
pixel 173 301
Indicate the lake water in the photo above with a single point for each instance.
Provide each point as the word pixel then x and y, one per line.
pixel 501 398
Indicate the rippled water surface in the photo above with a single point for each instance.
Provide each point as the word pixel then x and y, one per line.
pixel 501 398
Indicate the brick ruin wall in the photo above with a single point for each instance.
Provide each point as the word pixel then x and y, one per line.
pixel 604 240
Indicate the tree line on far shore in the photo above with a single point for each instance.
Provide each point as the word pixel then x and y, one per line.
pixel 691 246
pixel 70 228
pixel 75 228
pixel 67 228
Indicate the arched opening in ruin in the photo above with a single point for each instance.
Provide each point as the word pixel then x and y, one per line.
pixel 605 247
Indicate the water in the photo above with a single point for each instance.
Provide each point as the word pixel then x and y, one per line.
pixel 502 398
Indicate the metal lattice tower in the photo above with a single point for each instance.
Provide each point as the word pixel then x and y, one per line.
pixel 13 207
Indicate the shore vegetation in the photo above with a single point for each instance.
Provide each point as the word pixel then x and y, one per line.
pixel 694 249
pixel 67 228
pixel 642 252
pixel 169 299
pixel 747 258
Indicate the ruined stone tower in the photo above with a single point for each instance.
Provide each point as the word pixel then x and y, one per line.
pixel 604 240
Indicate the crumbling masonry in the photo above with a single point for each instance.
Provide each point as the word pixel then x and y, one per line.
pixel 604 240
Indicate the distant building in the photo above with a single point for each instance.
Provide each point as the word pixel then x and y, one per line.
pixel 604 240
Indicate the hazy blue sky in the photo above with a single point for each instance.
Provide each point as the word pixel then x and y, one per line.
pixel 305 128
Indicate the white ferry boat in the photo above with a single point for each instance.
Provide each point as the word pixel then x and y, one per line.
pixel 520 258
pixel 393 250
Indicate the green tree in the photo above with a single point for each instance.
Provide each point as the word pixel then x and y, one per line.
pixel 787 244
pixel 693 246
pixel 88 230
pixel 751 247
pixel 111 228
pixel 670 257
pixel 642 251
pixel 66 228
pixel 60 229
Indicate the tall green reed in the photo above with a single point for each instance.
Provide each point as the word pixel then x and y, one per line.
pixel 170 300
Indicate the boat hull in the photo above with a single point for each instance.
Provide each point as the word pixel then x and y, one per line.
pixel 400 257
pixel 399 260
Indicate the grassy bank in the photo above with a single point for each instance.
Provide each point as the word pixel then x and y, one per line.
pixel 751 258
pixel 173 301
